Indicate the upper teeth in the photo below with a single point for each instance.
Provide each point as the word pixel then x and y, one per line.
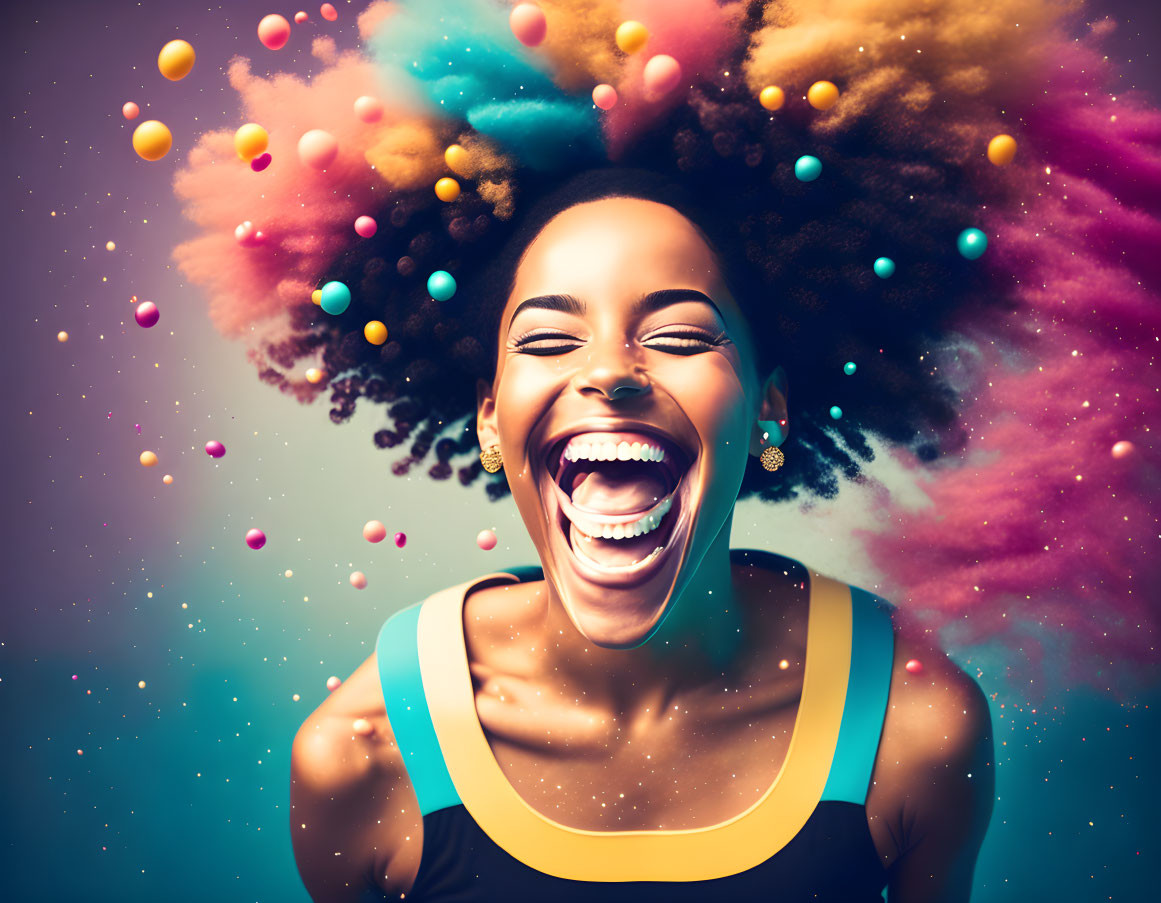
pixel 613 451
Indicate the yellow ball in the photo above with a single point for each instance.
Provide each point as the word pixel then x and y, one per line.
pixel 152 140
pixel 375 332
pixel 822 95
pixel 62 336
pixel 148 459
pixel 110 246
pixel 250 140
pixel 772 97
pixel 140 685
pixel 631 36
pixel 457 160
pixel 314 375
pixel 316 296
pixel 1002 150
pixel 176 59
pixel 447 189
pixel 167 479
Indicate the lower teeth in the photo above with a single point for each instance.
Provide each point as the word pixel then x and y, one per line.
pixel 614 567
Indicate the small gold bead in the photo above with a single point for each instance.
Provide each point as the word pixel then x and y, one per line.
pixel 772 457
pixel 491 459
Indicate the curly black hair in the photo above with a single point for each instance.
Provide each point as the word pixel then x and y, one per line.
pixel 797 256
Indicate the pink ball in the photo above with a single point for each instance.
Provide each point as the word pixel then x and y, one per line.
pixel 255 538
pixel 273 31
pixel 328 12
pixel 317 149
pixel 366 226
pixel 914 666
pixel 1123 448
pixel 300 17
pixel 247 236
pixel 528 24
pixel 369 109
pixel 147 314
pixel 130 110
pixel 333 683
pixel 401 539
pixel 359 580
pixel 486 540
pixel 662 74
pixel 215 449
pixel 260 162
pixel 605 96
pixel 374 531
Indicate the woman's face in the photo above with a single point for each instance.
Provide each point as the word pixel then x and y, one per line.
pixel 623 404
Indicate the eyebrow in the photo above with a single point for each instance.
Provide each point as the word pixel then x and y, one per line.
pixel 570 304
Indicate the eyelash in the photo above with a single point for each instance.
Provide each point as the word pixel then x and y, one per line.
pixel 698 341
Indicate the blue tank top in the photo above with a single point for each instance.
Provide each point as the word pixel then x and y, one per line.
pixel 806 839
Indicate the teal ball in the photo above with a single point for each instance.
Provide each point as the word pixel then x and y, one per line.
pixel 972 243
pixel 441 285
pixel 849 368
pixel 807 168
pixel 836 412
pixel 335 298
pixel 884 268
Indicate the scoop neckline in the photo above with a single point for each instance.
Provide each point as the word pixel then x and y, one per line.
pixel 727 847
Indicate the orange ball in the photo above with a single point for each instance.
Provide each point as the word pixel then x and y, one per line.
pixel 375 332
pixel 772 97
pixel 148 459
pixel 447 189
pixel 457 160
pixel 314 375
pixel 1002 150
pixel 822 95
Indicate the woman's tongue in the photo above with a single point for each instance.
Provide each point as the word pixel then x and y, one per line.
pixel 618 487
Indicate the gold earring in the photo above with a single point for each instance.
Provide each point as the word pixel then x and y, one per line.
pixel 491 458
pixel 772 457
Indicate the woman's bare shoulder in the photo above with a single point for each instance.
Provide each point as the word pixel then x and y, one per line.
pixel 354 817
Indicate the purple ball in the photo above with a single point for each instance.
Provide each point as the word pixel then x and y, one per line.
pixel 260 162
pixel 401 539
pixel 147 314
pixel 255 538
pixel 215 449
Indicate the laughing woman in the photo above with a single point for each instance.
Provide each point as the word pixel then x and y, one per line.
pixel 647 715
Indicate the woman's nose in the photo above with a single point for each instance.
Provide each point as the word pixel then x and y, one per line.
pixel 615 375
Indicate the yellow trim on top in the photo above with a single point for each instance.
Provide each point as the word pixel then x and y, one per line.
pixel 693 854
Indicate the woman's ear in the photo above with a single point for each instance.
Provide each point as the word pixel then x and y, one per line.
pixel 772 425
pixel 486 430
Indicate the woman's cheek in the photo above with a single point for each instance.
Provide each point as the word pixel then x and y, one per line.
pixel 712 396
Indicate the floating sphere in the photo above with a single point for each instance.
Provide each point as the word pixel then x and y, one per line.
pixel 316 296
pixel 167 479
pixel 783 665
pixel 317 149
pixel 215 449
pixel 457 160
pixel 255 538
pixel 807 168
pixel 358 580
pixel 662 74
pixel 447 189
pixel 314 375
pixel 401 539
pixel 110 246
pixel 441 285
pixel 849 368
pixel 822 95
pixel 250 140
pixel 368 109
pixel 972 243
pixel 140 685
pixel 486 540
pixel 914 666
pixel 375 332
pixel 374 531
pixel 130 110
pixel 147 459
pixel 176 60
pixel 62 336
pixel 146 314
pixel 772 97
pixel 605 96
pixel 884 267
pixel 631 36
pixel 1002 150
pixel 335 298
pixel 1123 449
pixel 528 24
pixel 273 31
pixel 288 573
pixel 260 162
pixel 152 140
pixel 328 12
pixel 365 226
pixel 836 412
pixel 333 683
pixel 301 17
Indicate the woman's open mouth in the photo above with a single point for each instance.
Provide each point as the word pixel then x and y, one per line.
pixel 620 496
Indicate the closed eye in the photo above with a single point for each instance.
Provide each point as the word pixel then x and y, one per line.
pixel 546 343
pixel 685 341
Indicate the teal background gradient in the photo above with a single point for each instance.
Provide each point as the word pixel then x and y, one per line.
pixel 181 792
